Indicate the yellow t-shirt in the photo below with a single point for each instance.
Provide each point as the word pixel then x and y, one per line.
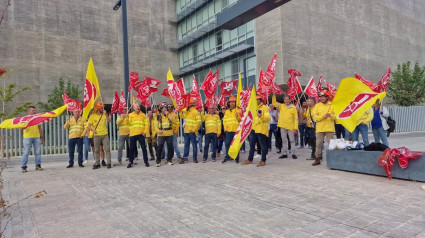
pixel 101 128
pixel 31 132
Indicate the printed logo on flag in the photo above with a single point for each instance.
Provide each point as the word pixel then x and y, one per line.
pixel 88 92
pixel 356 104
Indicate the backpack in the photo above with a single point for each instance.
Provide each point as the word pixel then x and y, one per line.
pixel 391 123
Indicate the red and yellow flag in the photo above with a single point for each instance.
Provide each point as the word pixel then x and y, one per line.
pixel 352 99
pixel 245 126
pixel 240 89
pixel 91 89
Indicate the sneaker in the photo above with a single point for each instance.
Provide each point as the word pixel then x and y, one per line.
pixel 224 161
pixel 246 162
pixel 38 167
pixel 69 166
pixel 103 163
pixel 170 163
pixel 257 156
pixel 294 157
pixel 129 165
pixel 261 163
pixel 283 156
pixel 24 170
pixel 108 166
pixel 278 152
pixel 81 165
pixel 96 166
pixel 204 161
pixel 147 165
pixel 165 161
pixel 195 161
pixel 237 161
pixel 86 161
pixel 152 158
pixel 158 165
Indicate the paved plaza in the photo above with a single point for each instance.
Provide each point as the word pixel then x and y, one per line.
pixel 286 198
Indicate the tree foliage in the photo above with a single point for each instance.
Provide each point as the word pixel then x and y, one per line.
pixel 7 94
pixel 407 87
pixel 55 98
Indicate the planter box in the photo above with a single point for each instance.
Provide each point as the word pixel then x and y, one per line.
pixel 366 162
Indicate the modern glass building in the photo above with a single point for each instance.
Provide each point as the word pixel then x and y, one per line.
pixel 203 46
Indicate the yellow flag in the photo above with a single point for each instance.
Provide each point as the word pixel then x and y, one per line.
pixel 32 120
pixel 245 126
pixel 171 78
pixel 91 89
pixel 352 99
pixel 134 99
pixel 238 95
pixel 274 101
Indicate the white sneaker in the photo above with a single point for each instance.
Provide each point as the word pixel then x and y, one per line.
pixel 86 161
pixel 257 156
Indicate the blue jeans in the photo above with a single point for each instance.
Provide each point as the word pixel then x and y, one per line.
pixel 272 131
pixel 262 139
pixel 190 138
pixel 210 138
pixel 28 143
pixel 86 147
pixel 227 141
pixel 175 145
pixel 347 135
pixel 200 139
pixel 380 134
pixel 363 129
pixel 71 149
pixel 133 147
pixel 219 145
pixel 301 130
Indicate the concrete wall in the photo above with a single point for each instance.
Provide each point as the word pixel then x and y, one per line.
pixel 44 40
pixel 337 38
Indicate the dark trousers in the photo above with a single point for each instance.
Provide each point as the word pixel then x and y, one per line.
pixel 301 130
pixel 133 147
pixel 71 148
pixel 339 131
pixel 262 139
pixel 273 131
pixel 227 141
pixel 279 140
pixel 310 136
pixel 170 153
pixel 220 145
pixel 210 138
pixel 188 139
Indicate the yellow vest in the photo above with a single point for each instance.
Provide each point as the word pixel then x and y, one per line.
pixel 138 124
pixel 124 128
pixel 166 124
pixel 193 120
pixel 231 119
pixel 261 124
pixel 176 122
pixel 288 117
pixel 212 123
pixel 101 128
pixel 76 128
pixel 324 125
pixel 308 117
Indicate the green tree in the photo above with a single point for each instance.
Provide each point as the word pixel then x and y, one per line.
pixel 7 94
pixel 407 87
pixel 55 98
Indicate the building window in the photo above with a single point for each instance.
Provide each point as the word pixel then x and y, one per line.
pixel 219 41
pixel 195 52
pixel 235 68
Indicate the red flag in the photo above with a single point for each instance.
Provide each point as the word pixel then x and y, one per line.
pixel 72 103
pixel 276 89
pixel 319 84
pixel 183 102
pixel 210 84
pixel 369 83
pixel 332 90
pixel 222 101
pixel 264 84
pixel 270 73
pixel 144 91
pixel 195 89
pixel 165 92
pixel 211 101
pixel 122 104
pixel 115 104
pixel 228 87
pixel 263 93
pixel 383 82
pixel 153 84
pixel 134 76
pixel 293 84
pixel 176 91
pixel 180 83
pixel 146 102
pixel 311 89
pixel 245 95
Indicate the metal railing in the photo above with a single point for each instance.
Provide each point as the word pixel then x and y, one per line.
pixel 408 119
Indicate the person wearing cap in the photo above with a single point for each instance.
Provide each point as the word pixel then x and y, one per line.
pixel 310 130
pixel 97 124
pixel 324 115
pixel 259 132
pixel 231 120
pixel 124 134
pixel 139 129
pixel 192 123
pixel 288 125
pixel 164 125
pixel 76 134
pixel 212 131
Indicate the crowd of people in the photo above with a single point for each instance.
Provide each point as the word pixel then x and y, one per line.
pixel 305 126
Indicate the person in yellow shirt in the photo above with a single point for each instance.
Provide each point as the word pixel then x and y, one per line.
pixel 138 131
pixel 212 131
pixel 231 120
pixel 164 125
pixel 363 127
pixel 152 138
pixel 124 135
pixel 176 128
pixel 288 125
pixel 33 137
pixel 324 115
pixel 259 133
pixel 192 123
pixel 97 124
pixel 76 134
pixel 310 130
